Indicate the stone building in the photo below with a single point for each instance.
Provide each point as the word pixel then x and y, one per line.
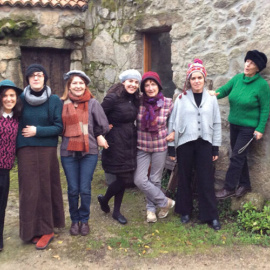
pixel 105 37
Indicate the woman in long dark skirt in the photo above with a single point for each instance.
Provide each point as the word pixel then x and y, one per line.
pixel 41 202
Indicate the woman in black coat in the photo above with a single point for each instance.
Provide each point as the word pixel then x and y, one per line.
pixel 121 107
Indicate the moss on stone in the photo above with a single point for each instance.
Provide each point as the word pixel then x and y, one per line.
pixel 7 21
pixel 92 66
pixel 110 4
pixel 31 33
pixel 22 28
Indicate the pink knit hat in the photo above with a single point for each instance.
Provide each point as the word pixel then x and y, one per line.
pixel 197 65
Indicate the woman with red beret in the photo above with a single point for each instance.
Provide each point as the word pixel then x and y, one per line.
pixel 154 112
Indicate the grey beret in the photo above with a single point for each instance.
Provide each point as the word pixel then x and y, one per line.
pixel 130 74
pixel 77 73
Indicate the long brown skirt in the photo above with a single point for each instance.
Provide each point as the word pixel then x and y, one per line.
pixel 41 201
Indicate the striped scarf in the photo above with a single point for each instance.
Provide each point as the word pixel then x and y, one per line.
pixel 75 122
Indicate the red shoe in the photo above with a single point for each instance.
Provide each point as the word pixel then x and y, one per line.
pixel 35 239
pixel 44 241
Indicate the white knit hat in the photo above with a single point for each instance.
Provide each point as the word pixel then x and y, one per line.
pixel 130 74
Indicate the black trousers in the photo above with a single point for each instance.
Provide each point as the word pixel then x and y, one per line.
pixel 117 189
pixel 238 172
pixel 196 154
pixel 4 189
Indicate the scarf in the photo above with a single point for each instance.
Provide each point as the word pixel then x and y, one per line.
pixel 39 93
pixel 75 122
pixel 36 100
pixel 149 119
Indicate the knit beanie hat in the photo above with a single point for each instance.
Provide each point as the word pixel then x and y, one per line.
pixel 77 73
pixel 151 75
pixel 6 84
pixel 197 65
pixel 36 68
pixel 130 74
pixel 259 58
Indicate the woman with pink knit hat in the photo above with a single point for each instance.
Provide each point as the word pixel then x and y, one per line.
pixel 152 145
pixel 196 125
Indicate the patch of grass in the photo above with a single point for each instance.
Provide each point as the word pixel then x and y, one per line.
pixel 14 186
pixel 94 244
pixel 118 242
pixel 151 240
pixel 141 239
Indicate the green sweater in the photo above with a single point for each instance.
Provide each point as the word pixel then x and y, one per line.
pixel 249 99
pixel 47 117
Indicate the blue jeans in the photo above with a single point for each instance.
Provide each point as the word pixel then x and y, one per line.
pixel 79 173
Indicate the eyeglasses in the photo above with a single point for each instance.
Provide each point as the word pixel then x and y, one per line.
pixel 38 76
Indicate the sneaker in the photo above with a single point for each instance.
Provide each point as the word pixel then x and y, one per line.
pixel 44 241
pixel 164 211
pixel 151 217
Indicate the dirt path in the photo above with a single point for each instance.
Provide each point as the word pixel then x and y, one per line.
pixel 68 252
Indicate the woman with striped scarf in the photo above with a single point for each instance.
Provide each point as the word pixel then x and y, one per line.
pixel 84 123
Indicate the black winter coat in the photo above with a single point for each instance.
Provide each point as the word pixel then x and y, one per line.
pixel 121 112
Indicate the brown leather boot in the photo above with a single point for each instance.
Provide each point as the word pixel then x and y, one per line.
pixel 74 228
pixel 85 229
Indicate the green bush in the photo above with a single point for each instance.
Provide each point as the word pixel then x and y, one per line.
pixel 252 220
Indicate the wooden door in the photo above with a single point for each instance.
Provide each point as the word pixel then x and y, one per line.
pixel 157 57
pixel 147 53
pixel 55 61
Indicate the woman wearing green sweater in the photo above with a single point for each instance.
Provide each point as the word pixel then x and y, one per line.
pixel 249 98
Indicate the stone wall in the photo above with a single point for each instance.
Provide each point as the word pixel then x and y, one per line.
pixel 41 28
pixel 108 38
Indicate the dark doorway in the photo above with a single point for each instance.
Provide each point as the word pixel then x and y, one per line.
pixel 157 57
pixel 55 61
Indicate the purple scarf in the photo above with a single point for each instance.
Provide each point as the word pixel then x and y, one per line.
pixel 152 106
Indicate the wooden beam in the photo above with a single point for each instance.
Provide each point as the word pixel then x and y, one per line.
pixel 147 52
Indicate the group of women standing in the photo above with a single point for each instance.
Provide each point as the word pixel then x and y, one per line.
pixel 192 126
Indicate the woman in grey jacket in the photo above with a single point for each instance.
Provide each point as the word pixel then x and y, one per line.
pixel 195 128
pixel 84 123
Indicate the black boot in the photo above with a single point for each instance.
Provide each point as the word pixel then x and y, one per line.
pixel 104 206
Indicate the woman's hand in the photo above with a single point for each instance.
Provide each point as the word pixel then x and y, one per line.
pixel 110 126
pixel 172 158
pixel 29 131
pixel 170 137
pixel 212 93
pixel 258 135
pixel 215 158
pixel 102 142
